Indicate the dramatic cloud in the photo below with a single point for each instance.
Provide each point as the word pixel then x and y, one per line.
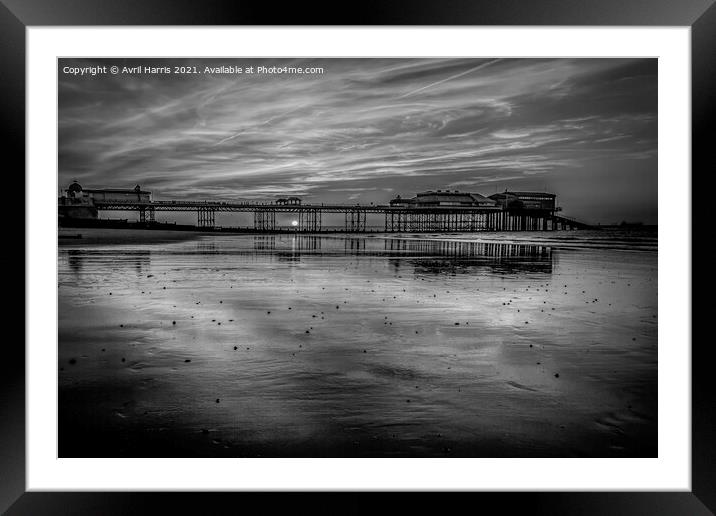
pixel 368 129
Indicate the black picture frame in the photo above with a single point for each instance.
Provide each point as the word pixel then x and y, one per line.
pixel 17 15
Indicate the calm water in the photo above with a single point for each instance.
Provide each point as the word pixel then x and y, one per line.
pixel 442 345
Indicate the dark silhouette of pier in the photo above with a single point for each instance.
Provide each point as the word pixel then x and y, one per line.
pixel 309 217
pixel 433 211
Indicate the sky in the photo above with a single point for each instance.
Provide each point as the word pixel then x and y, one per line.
pixel 366 130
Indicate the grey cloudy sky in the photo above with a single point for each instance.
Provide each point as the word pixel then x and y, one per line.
pixel 368 129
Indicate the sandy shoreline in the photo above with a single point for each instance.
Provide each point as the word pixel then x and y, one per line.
pixel 90 236
pixel 367 350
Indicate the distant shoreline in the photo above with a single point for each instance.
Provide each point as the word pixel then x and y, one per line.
pixel 623 239
pixel 76 225
pixel 68 236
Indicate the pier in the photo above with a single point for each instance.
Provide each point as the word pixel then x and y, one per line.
pixel 395 219
pixel 431 212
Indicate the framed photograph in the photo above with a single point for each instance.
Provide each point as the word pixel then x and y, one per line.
pixel 443 250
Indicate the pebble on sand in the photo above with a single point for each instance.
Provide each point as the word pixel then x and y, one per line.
pixel 187 360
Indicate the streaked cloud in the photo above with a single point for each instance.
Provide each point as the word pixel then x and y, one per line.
pixel 370 128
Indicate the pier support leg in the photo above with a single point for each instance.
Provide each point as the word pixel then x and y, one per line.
pixel 205 217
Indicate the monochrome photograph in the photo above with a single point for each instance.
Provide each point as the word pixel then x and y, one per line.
pixel 357 257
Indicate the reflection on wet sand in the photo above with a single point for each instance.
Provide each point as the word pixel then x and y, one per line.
pixel 77 259
pixel 441 253
pixel 440 257
pixel 283 345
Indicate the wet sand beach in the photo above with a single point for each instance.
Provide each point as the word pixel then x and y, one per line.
pixel 502 345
